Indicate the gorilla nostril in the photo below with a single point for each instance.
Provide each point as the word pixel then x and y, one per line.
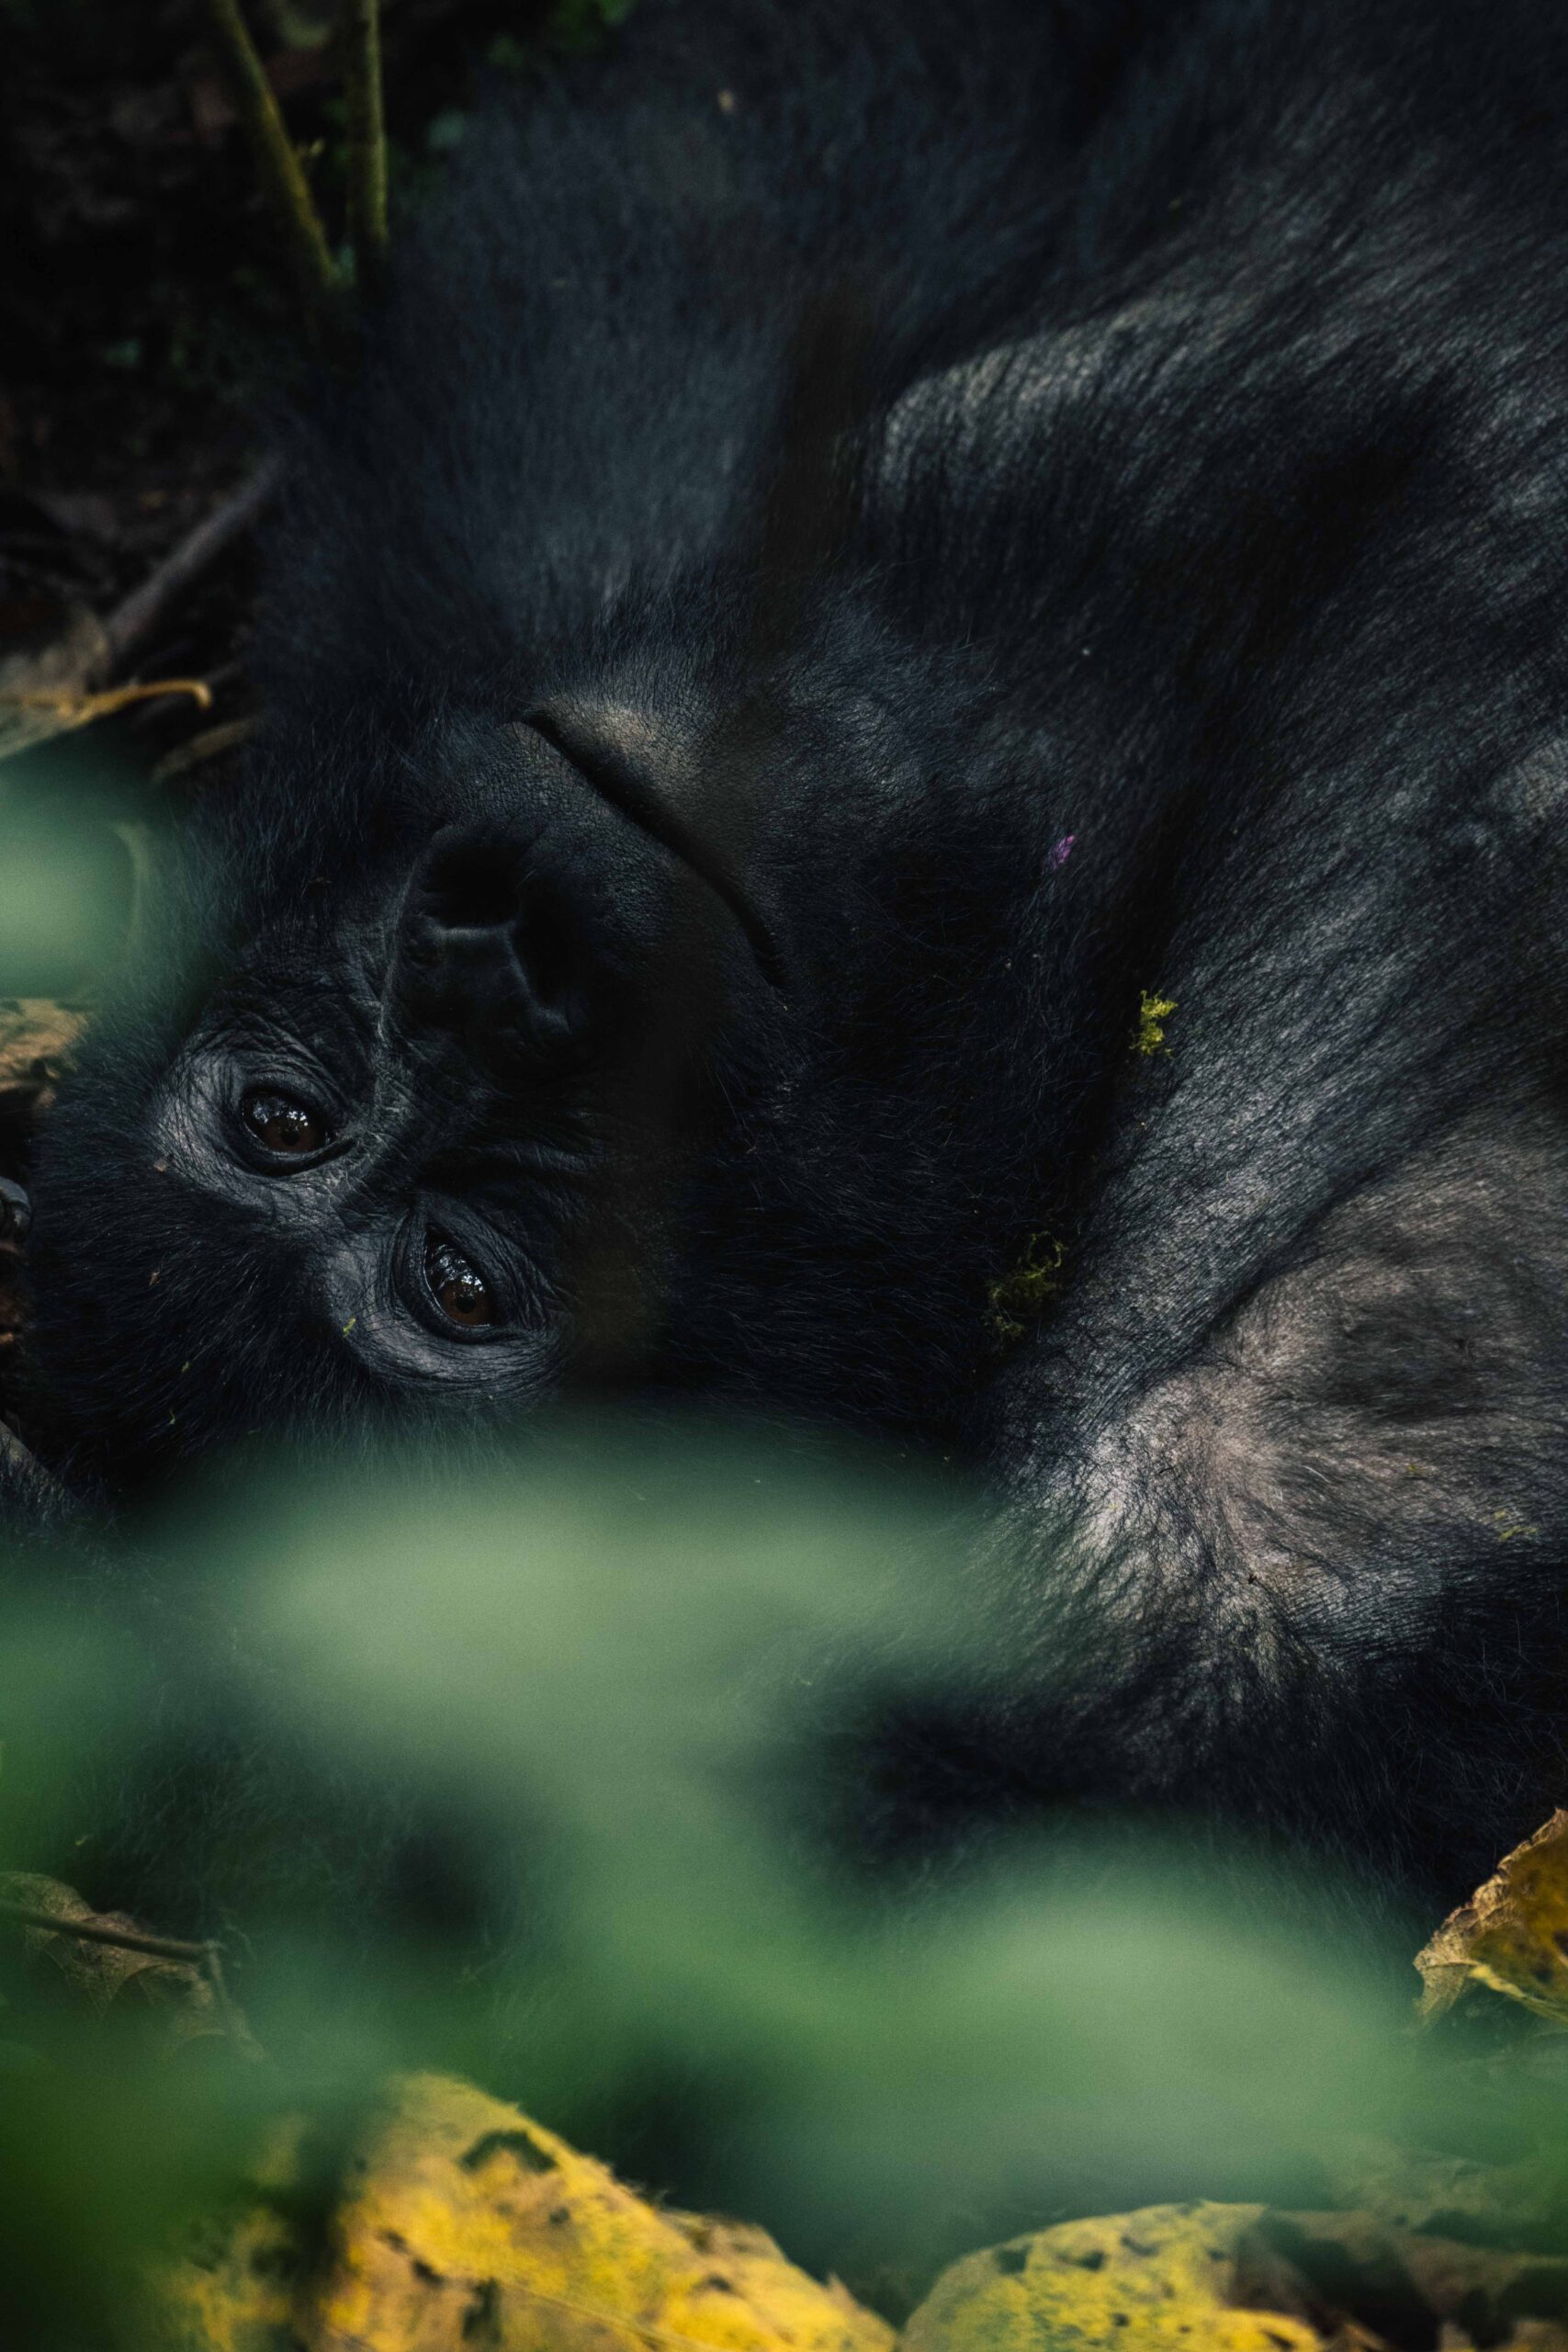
pixel 473 887
pixel 493 948
pixel 549 949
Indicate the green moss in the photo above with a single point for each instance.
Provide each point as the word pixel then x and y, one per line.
pixel 1021 1297
pixel 1153 1011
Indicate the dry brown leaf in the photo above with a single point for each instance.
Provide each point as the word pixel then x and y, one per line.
pixel 109 1960
pixel 1511 1937
pixel 52 692
pixel 70 665
pixel 463 2222
pixel 35 1039
pixel 1358 2283
pixel 1523 2203
pixel 47 692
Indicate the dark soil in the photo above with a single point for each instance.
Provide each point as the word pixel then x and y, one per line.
pixel 141 288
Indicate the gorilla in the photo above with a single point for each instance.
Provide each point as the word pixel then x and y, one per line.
pixel 914 783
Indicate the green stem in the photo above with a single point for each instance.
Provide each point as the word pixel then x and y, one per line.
pixel 277 161
pixel 359 40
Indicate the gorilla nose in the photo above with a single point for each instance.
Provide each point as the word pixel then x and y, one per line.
pixel 497 945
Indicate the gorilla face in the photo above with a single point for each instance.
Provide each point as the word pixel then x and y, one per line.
pixel 504 1052
pixel 379 1148
pixel 373 1124
pixel 404 1111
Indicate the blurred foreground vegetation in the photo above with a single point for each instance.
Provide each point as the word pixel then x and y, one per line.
pixel 588 1682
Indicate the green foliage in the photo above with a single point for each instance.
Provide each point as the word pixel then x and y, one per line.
pixel 612 1659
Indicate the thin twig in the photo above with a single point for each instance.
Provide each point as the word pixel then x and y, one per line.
pixel 359 40
pixel 75 708
pixel 206 1958
pixel 211 744
pixel 89 1931
pixel 131 621
pixel 277 161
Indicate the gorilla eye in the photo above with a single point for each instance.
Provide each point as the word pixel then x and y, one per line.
pixel 458 1289
pixel 282 1124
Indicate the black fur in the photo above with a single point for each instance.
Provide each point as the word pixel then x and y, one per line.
pixel 888 532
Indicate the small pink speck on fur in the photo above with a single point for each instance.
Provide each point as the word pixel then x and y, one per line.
pixel 1060 854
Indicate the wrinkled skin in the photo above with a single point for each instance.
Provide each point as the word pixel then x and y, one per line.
pixel 805 609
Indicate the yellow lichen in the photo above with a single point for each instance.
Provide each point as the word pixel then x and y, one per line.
pixel 1153 1011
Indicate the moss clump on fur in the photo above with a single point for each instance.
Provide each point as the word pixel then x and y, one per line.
pixel 1021 1297
pixel 1153 1011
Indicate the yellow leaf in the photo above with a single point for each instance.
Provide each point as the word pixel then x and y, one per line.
pixel 463 2223
pixel 1162 2276
pixel 1242 2278
pixel 1512 1936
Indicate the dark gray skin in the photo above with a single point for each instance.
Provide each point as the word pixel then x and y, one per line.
pixel 754 541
